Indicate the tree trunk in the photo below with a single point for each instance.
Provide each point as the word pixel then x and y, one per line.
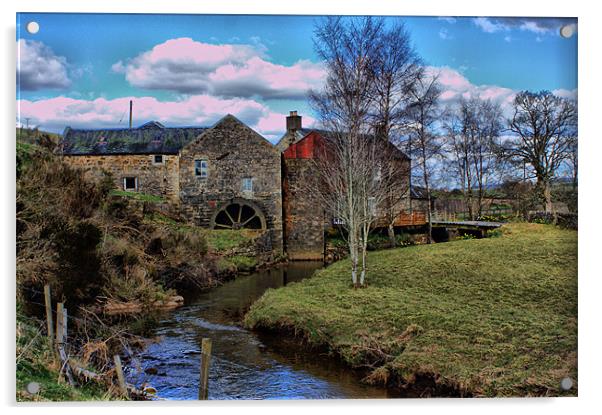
pixel 547 194
pixel 391 234
pixel 429 214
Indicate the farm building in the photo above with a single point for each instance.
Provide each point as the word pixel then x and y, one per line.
pixel 224 177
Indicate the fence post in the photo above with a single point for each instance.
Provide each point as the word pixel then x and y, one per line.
pixel 49 323
pixel 120 377
pixel 64 325
pixel 205 360
pixel 61 335
pixel 59 325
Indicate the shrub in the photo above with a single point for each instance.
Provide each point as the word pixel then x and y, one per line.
pixel 404 239
pixel 244 263
pixel 494 233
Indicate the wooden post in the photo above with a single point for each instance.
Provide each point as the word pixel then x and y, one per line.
pixel 60 315
pixel 49 324
pixel 205 360
pixel 64 325
pixel 120 378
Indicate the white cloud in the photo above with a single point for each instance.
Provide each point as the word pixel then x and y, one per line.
pixel 566 93
pixel 488 26
pixel 190 67
pixel 448 19
pixel 536 25
pixel 444 34
pixel 455 85
pixel 39 68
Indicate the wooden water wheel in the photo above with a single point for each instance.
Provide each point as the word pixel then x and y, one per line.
pixel 238 214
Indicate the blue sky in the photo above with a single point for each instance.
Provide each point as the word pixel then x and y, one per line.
pixel 80 69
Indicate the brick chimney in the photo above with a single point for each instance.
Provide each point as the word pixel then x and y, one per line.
pixel 293 122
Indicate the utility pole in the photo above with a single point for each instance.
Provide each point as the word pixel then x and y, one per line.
pixel 130 114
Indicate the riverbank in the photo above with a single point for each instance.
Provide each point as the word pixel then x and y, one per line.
pixel 486 317
pixel 35 364
pixel 112 258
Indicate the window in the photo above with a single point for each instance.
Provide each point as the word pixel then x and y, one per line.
pixel 158 159
pixel 130 183
pixel 200 168
pixel 247 184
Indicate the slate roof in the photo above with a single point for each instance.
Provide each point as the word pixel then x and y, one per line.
pixel 150 138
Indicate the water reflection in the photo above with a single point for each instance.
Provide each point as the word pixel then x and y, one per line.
pixel 244 365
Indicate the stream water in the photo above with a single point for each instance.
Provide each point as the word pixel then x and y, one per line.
pixel 245 364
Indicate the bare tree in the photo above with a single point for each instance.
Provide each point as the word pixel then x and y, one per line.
pixel 572 161
pixel 543 125
pixel 396 69
pixel 360 172
pixel 424 143
pixel 347 48
pixel 473 129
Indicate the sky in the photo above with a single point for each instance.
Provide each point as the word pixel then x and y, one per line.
pixel 81 70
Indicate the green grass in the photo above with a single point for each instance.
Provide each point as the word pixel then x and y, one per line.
pixel 219 240
pixel 487 317
pixel 144 197
pixel 238 263
pixel 224 240
pixel 35 364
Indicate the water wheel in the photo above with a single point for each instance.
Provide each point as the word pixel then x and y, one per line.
pixel 238 214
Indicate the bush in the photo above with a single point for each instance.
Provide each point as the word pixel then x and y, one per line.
pixel 496 218
pixel 404 239
pixel 244 263
pixel 494 233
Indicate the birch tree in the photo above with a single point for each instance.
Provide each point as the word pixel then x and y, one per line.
pixel 360 171
pixel 347 48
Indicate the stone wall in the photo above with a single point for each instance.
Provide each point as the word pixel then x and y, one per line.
pixel 160 179
pixel 233 152
pixel 304 217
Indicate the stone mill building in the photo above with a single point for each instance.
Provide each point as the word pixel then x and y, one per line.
pixel 222 177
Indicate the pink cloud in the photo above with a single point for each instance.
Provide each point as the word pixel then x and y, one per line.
pixel 187 66
pixel 55 114
pixel 455 85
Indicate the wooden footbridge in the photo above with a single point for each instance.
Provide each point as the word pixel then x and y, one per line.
pixel 472 226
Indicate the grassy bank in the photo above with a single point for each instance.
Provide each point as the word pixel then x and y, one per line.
pixel 35 363
pixel 487 317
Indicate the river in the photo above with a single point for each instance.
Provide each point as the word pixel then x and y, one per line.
pixel 245 364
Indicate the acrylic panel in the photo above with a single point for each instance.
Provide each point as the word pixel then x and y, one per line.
pixel 295 207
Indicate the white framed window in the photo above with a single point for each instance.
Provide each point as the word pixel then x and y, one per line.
pixel 130 183
pixel 200 168
pixel 158 159
pixel 247 184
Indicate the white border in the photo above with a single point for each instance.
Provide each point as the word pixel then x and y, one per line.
pixel 590 149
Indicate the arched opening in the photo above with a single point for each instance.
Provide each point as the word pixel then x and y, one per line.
pixel 238 214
